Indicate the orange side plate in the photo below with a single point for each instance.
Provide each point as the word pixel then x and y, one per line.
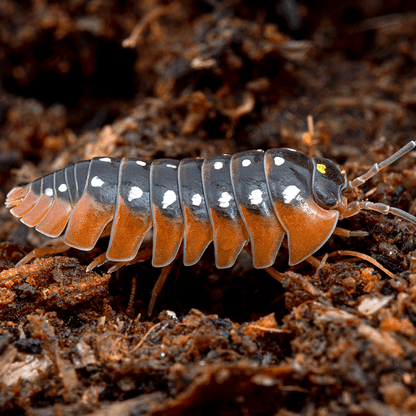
pixel 229 239
pixel 266 235
pixel 54 222
pixel 127 233
pixel 16 195
pixel 87 222
pixel 35 215
pixel 26 205
pixel 312 228
pixel 198 235
pixel 167 237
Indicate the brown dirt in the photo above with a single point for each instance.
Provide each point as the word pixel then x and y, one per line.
pixel 196 79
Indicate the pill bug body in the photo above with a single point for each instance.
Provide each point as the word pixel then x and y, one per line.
pixel 253 196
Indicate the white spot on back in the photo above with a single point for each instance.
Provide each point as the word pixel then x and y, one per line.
pixel 255 197
pixel 218 165
pixel 290 193
pixel 246 162
pixel 134 193
pixel 49 192
pixel 141 163
pixel 278 161
pixel 225 199
pixel 96 182
pixel 62 188
pixel 105 159
pixel 169 197
pixel 292 150
pixel 196 200
pixel 171 166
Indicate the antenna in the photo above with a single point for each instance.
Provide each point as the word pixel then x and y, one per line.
pixel 378 166
pixel 353 208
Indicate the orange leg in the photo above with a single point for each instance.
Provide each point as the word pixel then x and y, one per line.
pixel 348 233
pixel 275 274
pixel 160 282
pixel 313 261
pixel 98 261
pixel 363 257
pixel 142 256
pixel 132 295
pixel 44 251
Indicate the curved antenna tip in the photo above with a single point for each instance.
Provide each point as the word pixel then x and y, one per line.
pixel 379 166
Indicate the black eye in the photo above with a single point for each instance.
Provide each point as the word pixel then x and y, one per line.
pixel 327 183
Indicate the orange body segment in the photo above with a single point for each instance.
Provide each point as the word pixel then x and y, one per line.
pixel 16 195
pixel 35 215
pixel 26 205
pixel 229 237
pixel 167 238
pixel 87 222
pixel 266 235
pixel 308 227
pixel 54 222
pixel 198 235
pixel 127 233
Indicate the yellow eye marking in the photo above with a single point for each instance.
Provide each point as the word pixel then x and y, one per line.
pixel 321 168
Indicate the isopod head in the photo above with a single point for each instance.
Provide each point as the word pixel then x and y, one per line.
pixel 328 183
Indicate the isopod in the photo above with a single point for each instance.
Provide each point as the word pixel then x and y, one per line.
pixel 253 196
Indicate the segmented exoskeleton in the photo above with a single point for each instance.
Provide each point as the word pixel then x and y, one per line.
pixel 253 196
